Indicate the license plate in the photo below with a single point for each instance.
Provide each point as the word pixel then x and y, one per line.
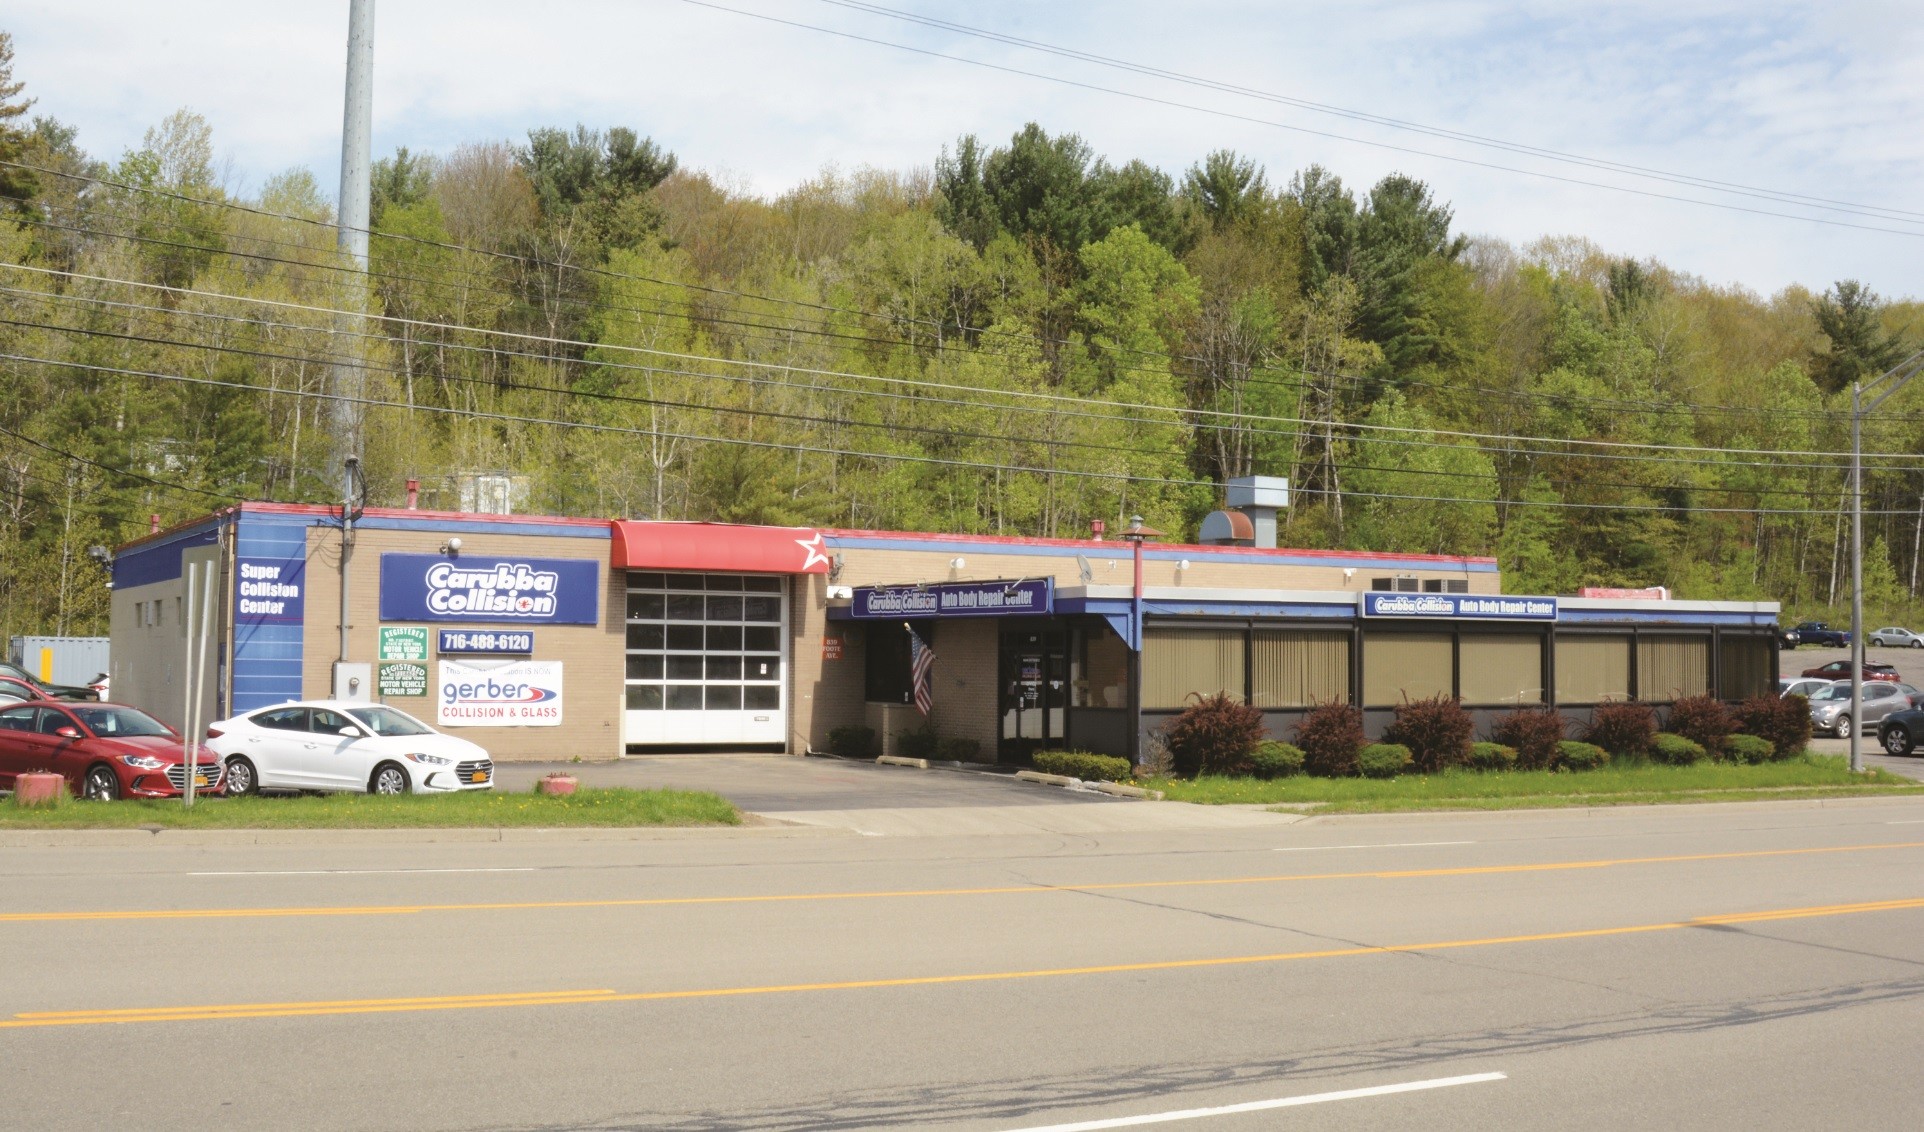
pixel 200 780
pixel 478 776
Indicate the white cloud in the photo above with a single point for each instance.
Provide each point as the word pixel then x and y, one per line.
pixel 1815 101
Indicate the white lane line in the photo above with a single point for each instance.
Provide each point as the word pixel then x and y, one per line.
pixel 1263 1106
pixel 346 872
pixel 1391 845
pixel 1915 821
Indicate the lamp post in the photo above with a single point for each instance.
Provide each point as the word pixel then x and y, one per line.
pixel 1136 534
pixel 1880 388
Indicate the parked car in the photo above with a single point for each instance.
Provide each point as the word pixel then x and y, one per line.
pixel 1804 686
pixel 1895 638
pixel 1841 670
pixel 1830 709
pixel 49 691
pixel 13 691
pixel 104 751
pixel 100 685
pixel 335 745
pixel 1900 731
pixel 1788 638
pixel 1818 633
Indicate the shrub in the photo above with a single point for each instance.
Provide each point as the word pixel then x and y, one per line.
pixel 1214 735
pixel 921 743
pixel 1572 755
pixel 1748 749
pixel 1675 749
pixel 852 742
pixel 1492 756
pixel 1383 760
pixel 1623 729
pixel 1534 733
pixel 1704 720
pixel 1436 730
pixel 959 750
pixel 1083 765
pixel 1784 720
pixel 1276 760
pixel 1330 735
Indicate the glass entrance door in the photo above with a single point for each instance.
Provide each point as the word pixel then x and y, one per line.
pixel 1034 671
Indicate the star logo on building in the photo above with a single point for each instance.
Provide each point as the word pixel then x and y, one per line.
pixel 813 546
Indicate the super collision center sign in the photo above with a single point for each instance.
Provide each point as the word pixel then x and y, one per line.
pixel 525 693
pixel 523 591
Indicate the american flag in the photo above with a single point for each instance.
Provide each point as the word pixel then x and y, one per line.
pixel 921 664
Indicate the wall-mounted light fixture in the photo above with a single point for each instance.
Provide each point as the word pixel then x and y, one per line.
pixel 957 563
pixel 451 547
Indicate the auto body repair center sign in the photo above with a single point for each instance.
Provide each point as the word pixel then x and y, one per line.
pixel 517 693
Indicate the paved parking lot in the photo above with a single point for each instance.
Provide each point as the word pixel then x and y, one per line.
pixel 774 784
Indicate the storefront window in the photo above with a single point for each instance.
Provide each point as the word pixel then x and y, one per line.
pixel 1298 669
pixel 1101 676
pixel 1592 670
pixel 1501 668
pixel 1399 666
pixel 1179 662
pixel 1746 667
pixel 887 661
pixel 1670 668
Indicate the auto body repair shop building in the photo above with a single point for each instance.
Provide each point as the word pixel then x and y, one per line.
pixel 549 638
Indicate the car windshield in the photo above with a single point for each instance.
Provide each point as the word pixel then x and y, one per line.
pixel 1832 692
pixel 387 721
pixel 120 721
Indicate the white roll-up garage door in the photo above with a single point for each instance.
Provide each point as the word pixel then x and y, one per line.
pixel 707 659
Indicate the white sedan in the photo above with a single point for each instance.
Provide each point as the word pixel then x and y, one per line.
pixel 331 745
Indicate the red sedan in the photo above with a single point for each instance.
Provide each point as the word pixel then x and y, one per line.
pixel 1841 670
pixel 104 751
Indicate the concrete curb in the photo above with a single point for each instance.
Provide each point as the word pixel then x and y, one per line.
pixel 1124 790
pixel 897 760
pixel 145 838
pixel 1522 812
pixel 1115 789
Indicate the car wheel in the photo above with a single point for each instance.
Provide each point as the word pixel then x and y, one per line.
pixel 242 778
pixel 101 784
pixel 1843 727
pixel 388 779
pixel 1897 740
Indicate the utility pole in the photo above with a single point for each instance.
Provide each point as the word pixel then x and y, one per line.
pixel 1136 534
pixel 349 381
pixel 1890 381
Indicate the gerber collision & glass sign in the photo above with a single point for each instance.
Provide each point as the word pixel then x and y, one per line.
pixel 522 693
pixel 529 591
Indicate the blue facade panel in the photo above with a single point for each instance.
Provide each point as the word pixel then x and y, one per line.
pixel 160 561
pixel 268 653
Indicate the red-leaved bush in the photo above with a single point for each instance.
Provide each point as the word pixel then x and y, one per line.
pixel 1436 730
pixel 1784 720
pixel 1330 735
pixel 1703 720
pixel 1623 729
pixel 1214 735
pixel 1533 732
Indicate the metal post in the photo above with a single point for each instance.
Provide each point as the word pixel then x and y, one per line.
pixel 357 128
pixel 187 744
pixel 1857 576
pixel 348 471
pixel 1136 534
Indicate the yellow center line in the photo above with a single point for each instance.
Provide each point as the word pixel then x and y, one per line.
pixel 234 1011
pixel 899 894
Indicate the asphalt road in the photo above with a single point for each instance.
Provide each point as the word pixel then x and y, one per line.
pixel 1755 966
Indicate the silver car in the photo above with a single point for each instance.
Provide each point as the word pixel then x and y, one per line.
pixel 1896 638
pixel 1830 708
pixel 1805 686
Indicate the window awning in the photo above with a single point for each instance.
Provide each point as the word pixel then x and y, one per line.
pixel 717 547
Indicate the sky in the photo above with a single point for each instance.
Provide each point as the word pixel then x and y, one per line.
pixel 1820 101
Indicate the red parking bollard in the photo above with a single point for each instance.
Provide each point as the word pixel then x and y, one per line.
pixel 38 788
pixel 557 784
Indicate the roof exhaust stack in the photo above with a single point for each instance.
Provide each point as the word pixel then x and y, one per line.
pixel 1251 519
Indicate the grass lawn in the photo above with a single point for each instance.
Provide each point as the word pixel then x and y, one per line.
pixel 486 809
pixel 1812 776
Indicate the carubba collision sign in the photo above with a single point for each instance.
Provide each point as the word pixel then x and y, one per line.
pixel 1464 607
pixel 527 591
pixel 954 599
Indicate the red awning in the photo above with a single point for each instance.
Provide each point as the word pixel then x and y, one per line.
pixel 718 547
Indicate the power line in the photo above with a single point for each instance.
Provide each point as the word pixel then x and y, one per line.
pixel 897 457
pixel 1018 394
pixel 1045 77
pixel 1686 409
pixel 111 470
pixel 1796 199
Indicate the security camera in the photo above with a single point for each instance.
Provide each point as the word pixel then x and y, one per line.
pixel 452 546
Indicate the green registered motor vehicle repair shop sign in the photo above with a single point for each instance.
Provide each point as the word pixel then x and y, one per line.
pixel 402 678
pixel 404 642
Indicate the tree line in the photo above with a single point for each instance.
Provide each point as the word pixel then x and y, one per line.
pixel 1020 338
